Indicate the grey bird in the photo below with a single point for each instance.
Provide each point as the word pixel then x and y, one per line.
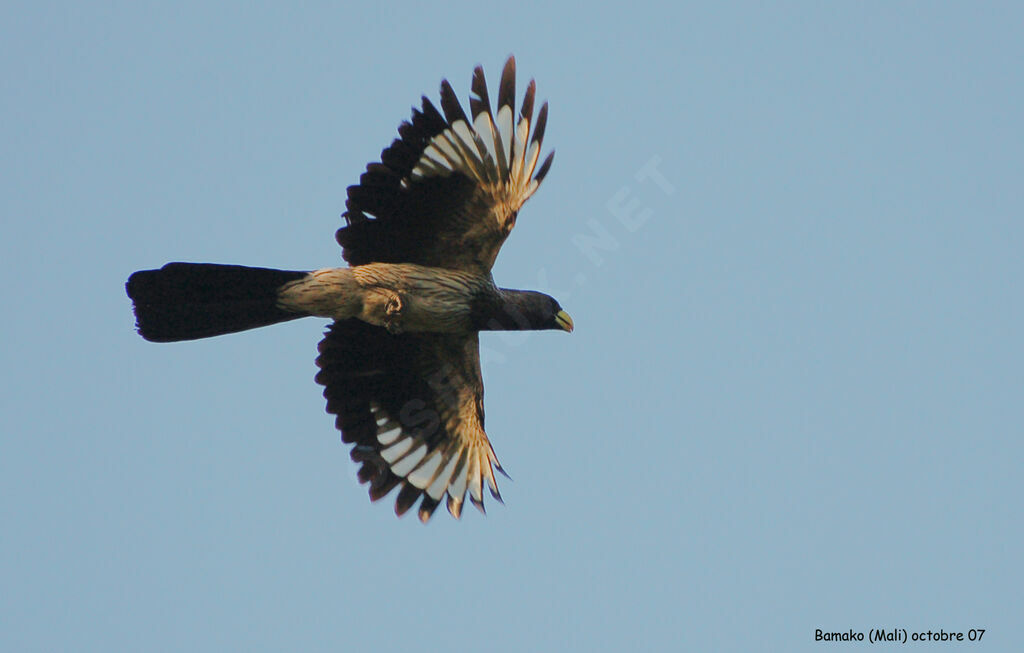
pixel 400 364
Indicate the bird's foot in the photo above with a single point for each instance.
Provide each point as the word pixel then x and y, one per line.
pixel 392 314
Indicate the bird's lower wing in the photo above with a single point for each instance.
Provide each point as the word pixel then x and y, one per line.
pixel 412 407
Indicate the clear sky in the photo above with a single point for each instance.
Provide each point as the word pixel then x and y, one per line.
pixel 790 237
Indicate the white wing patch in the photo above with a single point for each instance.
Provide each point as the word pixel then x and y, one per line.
pixel 395 452
pixel 389 436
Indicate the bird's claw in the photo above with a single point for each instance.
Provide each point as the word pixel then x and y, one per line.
pixel 392 313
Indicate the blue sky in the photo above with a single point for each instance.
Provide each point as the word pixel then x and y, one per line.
pixel 792 400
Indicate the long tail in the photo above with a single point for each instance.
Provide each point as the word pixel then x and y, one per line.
pixel 186 301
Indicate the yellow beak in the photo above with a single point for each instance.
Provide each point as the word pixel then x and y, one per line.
pixel 564 321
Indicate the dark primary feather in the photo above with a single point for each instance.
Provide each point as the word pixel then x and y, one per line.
pixel 433 210
pixel 507 87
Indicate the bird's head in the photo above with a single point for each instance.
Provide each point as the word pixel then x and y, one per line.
pixel 527 310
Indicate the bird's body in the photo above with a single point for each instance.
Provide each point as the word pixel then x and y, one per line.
pixel 402 297
pixel 400 364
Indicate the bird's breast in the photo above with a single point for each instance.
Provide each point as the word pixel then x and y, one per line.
pixel 414 298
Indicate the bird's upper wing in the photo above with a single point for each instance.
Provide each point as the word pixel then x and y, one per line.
pixel 446 192
pixel 412 406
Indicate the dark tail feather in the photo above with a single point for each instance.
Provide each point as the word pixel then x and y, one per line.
pixel 185 301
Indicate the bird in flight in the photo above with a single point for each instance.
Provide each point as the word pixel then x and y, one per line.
pixel 400 364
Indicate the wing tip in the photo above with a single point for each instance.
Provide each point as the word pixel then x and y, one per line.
pixel 427 507
pixel 544 167
pixel 406 498
pixel 479 504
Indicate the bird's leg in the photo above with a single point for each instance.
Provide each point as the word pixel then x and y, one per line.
pixel 393 313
